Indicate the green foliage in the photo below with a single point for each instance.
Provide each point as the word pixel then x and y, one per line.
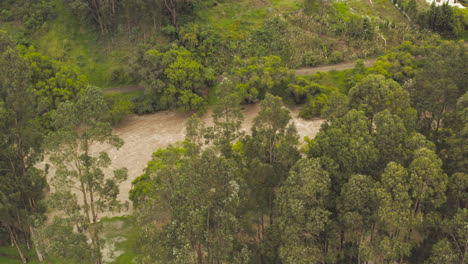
pixel 120 107
pixel 256 76
pixel 55 82
pixel 436 86
pixel 22 188
pixel 31 14
pixel 62 241
pixel 399 66
pixel 314 107
pixel 357 207
pixel 172 79
pixel 390 134
pixel 312 58
pixel 336 57
pixel 203 41
pixel 442 20
pixel 442 252
pixel 348 142
pixel 198 220
pixel 81 124
pixel 374 93
pixel 303 215
pixel 336 106
pixel 269 40
pixel 395 213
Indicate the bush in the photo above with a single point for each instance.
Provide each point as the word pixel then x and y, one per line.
pixel 120 107
pixel 336 57
pixel 302 88
pixel 6 15
pixel 313 58
pixel 314 107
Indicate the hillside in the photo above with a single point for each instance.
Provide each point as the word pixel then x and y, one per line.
pixel 301 34
pixel 233 132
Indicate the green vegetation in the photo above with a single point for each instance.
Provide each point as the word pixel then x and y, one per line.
pixel 384 181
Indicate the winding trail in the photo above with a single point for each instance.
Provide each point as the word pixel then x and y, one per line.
pixel 338 67
pixel 301 71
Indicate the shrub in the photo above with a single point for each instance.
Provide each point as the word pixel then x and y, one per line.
pixel 120 107
pixel 336 57
pixel 313 58
pixel 6 15
pixel 314 107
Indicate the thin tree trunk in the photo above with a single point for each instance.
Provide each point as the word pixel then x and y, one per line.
pixel 26 238
pixel 94 225
pixel 13 239
pixel 36 247
pixel 199 254
pixel 270 205
pixel 98 16
pixel 259 227
pixel 173 11
pixel 263 224
pixel 208 236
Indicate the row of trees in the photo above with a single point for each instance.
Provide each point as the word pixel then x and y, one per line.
pixel 106 14
pixel 369 187
pixel 386 169
pixel 46 109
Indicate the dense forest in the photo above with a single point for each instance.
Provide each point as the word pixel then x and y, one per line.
pixel 385 180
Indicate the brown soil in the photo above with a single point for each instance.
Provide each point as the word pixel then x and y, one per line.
pixel 337 67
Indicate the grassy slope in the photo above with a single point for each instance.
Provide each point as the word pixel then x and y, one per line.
pixel 9 255
pixel 66 38
pixel 234 19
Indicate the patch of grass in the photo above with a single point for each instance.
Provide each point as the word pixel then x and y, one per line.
pixel 380 8
pixel 66 38
pixel 9 255
pixel 212 97
pixel 131 95
pixel 335 79
pixel 122 226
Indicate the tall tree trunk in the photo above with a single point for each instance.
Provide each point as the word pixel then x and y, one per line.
pixel 94 225
pixel 262 224
pixel 270 205
pixel 36 244
pixel 171 7
pixel 199 254
pixel 13 239
pixel 98 15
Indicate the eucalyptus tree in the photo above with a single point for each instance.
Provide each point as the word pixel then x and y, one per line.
pixel 396 216
pixel 195 195
pixel 303 214
pixel 23 185
pixel 81 188
pixel 357 214
pixel 271 150
pixel 374 93
pixel 347 146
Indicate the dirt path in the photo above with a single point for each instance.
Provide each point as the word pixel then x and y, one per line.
pixel 301 71
pixel 339 67
pixel 145 134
